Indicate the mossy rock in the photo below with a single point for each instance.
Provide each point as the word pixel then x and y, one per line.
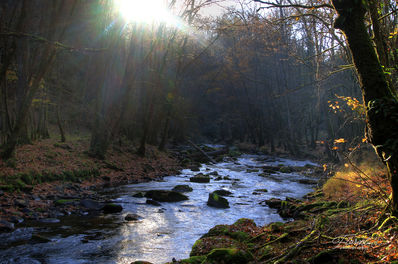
pixel 234 231
pixel 204 245
pixel 200 178
pixel 139 195
pixel 276 227
pixel 65 202
pixel 307 207
pixel 245 222
pixel 182 188
pixel 229 255
pixel 217 201
pixel 112 208
pixel 193 260
pixel 166 196
pixel 285 169
pixel 141 262
pixel 252 170
pixel 223 192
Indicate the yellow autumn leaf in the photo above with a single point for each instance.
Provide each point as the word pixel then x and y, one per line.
pixel 340 140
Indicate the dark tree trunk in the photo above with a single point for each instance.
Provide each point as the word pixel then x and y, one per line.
pixel 381 103
pixel 60 127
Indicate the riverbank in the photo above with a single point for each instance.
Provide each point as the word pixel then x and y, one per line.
pixel 47 173
pixel 342 222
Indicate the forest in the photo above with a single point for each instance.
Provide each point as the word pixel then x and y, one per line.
pixel 275 122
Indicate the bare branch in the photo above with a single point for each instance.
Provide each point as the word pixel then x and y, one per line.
pixel 44 40
pixel 292 5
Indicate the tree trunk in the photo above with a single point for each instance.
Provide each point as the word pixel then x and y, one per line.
pixel 60 127
pixel 381 103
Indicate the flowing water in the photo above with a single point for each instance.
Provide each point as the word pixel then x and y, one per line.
pixel 164 232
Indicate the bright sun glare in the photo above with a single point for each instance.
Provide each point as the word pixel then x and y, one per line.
pixel 146 11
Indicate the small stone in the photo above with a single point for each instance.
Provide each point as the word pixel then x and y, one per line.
pixel 50 220
pixel 40 238
pixel 21 203
pixel 261 190
pixel 6 226
pixel 139 195
pixel 132 217
pixel 200 178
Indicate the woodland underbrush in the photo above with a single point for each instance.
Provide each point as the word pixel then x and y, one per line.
pixel 48 170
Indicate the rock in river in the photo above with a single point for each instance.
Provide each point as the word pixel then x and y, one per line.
pixel 6 226
pixel 166 196
pixel 183 188
pixel 152 202
pixel 112 208
pixel 200 178
pixel 132 217
pixel 223 192
pixel 216 200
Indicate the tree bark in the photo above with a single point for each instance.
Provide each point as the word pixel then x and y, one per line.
pixel 381 103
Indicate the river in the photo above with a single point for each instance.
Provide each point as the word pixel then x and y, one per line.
pixel 164 232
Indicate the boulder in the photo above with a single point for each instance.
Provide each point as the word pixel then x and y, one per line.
pixel 307 181
pixel 261 190
pixel 152 202
pixel 223 192
pixel 139 195
pixel 213 173
pixel 200 178
pixel 132 217
pixel 166 196
pixel 229 255
pixel 274 203
pixel 217 201
pixel 141 262
pixel 112 208
pixel 182 188
pixel 251 170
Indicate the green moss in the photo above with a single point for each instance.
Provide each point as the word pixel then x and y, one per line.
pixel 265 252
pixel 276 227
pixel 7 188
pixel 196 247
pixel 245 221
pixel 193 260
pixel 228 255
pixel 65 201
pixel 240 236
pixel 286 169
